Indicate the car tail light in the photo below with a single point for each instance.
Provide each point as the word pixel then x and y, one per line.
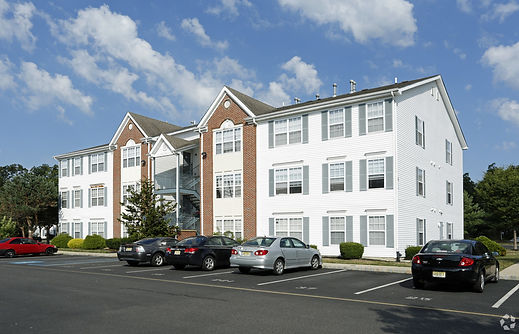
pixel 139 249
pixel 234 252
pixel 466 262
pixel 417 260
pixel 190 250
pixel 168 250
pixel 261 252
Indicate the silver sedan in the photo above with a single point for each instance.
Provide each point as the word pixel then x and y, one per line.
pixel 274 253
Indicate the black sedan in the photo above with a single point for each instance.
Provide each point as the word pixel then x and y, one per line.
pixel 148 250
pixel 464 261
pixel 201 251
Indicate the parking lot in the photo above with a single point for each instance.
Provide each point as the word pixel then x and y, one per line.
pixel 109 292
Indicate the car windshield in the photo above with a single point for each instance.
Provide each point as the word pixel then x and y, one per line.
pixel 263 242
pixel 4 240
pixel 147 241
pixel 448 247
pixel 193 241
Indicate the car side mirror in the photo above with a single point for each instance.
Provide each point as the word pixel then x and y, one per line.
pixel 307 246
pixel 495 253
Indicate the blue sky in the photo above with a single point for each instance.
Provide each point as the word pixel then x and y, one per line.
pixel 70 70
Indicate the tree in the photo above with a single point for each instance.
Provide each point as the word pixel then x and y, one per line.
pixel 473 216
pixel 145 214
pixel 498 194
pixel 469 185
pixel 7 228
pixel 8 172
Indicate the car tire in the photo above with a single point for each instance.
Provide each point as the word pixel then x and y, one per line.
pixel 49 251
pixel 495 279
pixel 10 253
pixel 418 284
pixel 244 270
pixel 479 286
pixel 133 263
pixel 157 260
pixel 208 263
pixel 179 266
pixel 279 266
pixel 314 262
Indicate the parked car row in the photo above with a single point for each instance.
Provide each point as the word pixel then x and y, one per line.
pixel 9 247
pixel 265 253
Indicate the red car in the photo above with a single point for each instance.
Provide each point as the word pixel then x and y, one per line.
pixel 9 247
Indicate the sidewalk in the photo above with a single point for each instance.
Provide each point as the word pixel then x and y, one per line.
pixel 511 273
pixel 86 253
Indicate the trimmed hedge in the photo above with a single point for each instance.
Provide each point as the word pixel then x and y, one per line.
pixel 313 246
pixel 115 243
pixel 351 250
pixel 75 243
pixel 94 242
pixel 411 251
pixel 492 245
pixel 61 240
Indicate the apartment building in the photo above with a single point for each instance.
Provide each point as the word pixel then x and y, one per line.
pixel 382 166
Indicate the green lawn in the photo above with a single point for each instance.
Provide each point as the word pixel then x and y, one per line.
pixel 511 257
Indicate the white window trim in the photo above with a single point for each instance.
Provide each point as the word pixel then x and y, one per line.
pixel 97 163
pixel 76 231
pixel 234 186
pixel 422 224
pixel 97 232
pixel 451 227
pixel 288 180
pixel 343 124
pixel 420 131
pixel 422 182
pixel 330 175
pixel 61 227
pixel 383 117
pixel 64 197
pixel 136 185
pixel 287 131
pixel 223 219
pixel 330 229
pixel 368 174
pixel 289 231
pixel 448 153
pixel 98 189
pixel 234 139
pixel 74 198
pixel 78 166
pixel 137 149
pixel 449 191
pixel 63 167
pixel 385 231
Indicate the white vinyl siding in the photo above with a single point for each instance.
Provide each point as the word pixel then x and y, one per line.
pixel 131 156
pixel 292 227
pixel 227 141
pixel 377 230
pixel 375 116
pixel 337 230
pixel 229 224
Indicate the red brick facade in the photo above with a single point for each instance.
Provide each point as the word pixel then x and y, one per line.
pixel 237 116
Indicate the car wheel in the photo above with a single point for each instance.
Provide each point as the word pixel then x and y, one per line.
pixel 244 270
pixel 49 251
pixel 157 260
pixel 133 263
pixel 179 266
pixel 479 286
pixel 208 263
pixel 314 263
pixel 10 253
pixel 418 284
pixel 279 266
pixel 495 279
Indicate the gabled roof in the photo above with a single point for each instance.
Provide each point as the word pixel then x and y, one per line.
pixel 256 106
pixel 153 127
pixel 93 149
pixel 173 143
pixel 179 143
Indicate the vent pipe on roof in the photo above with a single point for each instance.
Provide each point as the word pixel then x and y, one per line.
pixel 396 80
pixel 317 96
pixel 297 100
pixel 334 89
pixel 353 86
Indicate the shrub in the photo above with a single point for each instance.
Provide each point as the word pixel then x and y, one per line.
pixel 351 250
pixel 313 246
pixel 61 240
pixel 113 243
pixel 94 242
pixel 75 243
pixel 411 251
pixel 492 245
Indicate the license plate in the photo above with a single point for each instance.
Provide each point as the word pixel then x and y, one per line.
pixel 177 252
pixel 438 274
pixel 245 253
pixel 128 249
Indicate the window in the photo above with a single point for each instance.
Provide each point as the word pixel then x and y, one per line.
pixel 449 230
pixel 337 230
pixel 292 227
pixel 228 141
pixel 77 166
pixel 336 123
pixel 377 230
pixel 127 191
pixel 421 232
pixel 288 131
pixel 97 162
pixel 289 180
pixel 228 185
pixel 229 224
pixel 449 193
pixel 420 182
pixel 77 230
pixel 131 156
pixel 448 152
pixel 420 132
pixel 375 116
pixel 97 228
pixel 337 176
pixel 124 232
pixel 77 198
pixel 64 199
pixel 376 173
pixel 97 196
pixel 64 228
pixel 63 168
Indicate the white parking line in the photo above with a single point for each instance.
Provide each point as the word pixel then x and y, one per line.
pixel 382 286
pixel 145 270
pixel 300 277
pixel 212 274
pixel 114 265
pixel 505 297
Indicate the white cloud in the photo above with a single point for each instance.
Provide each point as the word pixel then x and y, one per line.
pixel 468 87
pixel 305 78
pixel 228 66
pixel 390 21
pixel 62 117
pixel 44 89
pixel 457 51
pixel 15 22
pixel 501 11
pixel 6 77
pixel 228 7
pixel 193 26
pixel 507 110
pixel 164 31
pixel 503 60
pixel 506 146
pixel 275 95
pixel 464 5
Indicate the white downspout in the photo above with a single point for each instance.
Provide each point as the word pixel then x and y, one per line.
pixel 178 188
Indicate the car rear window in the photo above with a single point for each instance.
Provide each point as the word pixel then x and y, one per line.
pixel 193 241
pixel 147 241
pixel 448 247
pixel 4 240
pixel 263 242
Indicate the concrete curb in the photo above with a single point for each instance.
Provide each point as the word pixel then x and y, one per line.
pixel 86 254
pixel 510 273
pixel 366 267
